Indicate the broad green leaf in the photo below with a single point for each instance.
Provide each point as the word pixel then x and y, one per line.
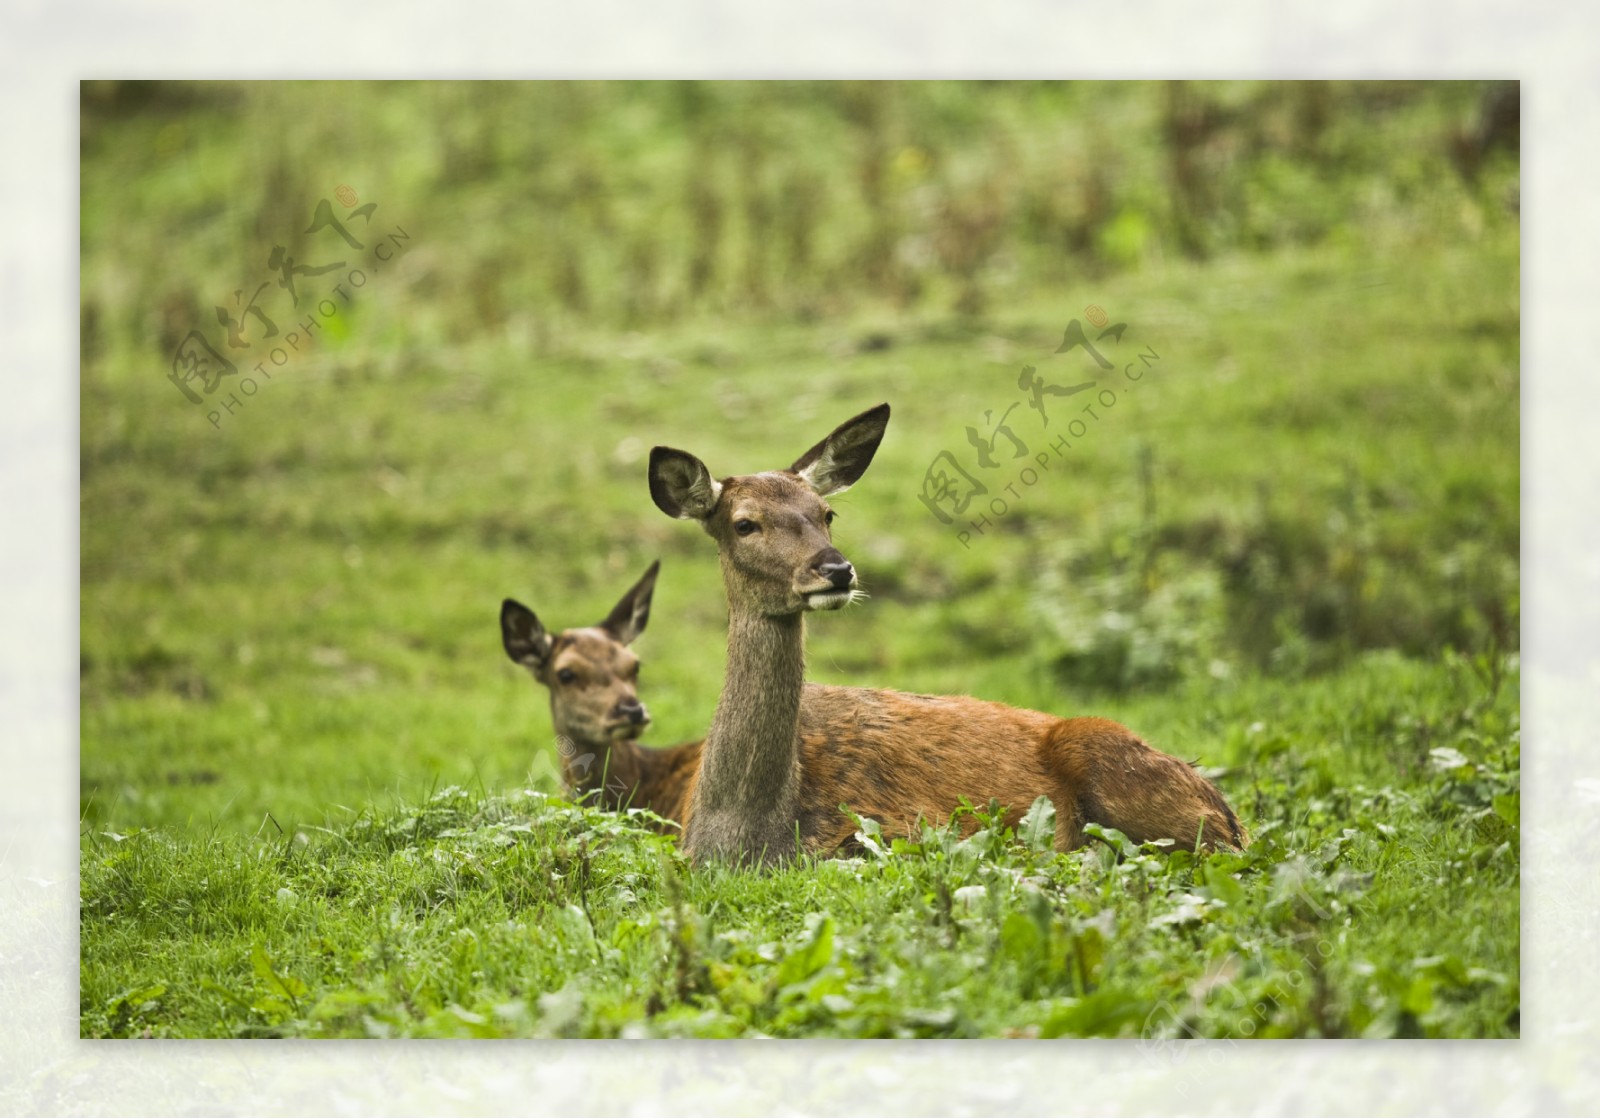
pixel 1038 827
pixel 1020 938
pixel 811 957
pixel 1223 886
pixel 286 985
pixel 1508 806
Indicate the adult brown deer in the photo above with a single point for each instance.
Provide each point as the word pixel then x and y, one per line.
pixel 780 756
pixel 593 681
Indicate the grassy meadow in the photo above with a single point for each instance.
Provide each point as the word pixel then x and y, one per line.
pixel 318 801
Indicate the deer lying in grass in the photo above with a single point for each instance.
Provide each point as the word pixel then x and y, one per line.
pixel 595 710
pixel 592 677
pixel 781 756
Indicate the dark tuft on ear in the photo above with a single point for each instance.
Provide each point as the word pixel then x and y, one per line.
pixel 628 618
pixel 525 640
pixel 837 463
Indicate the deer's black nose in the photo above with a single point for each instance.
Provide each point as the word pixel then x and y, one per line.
pixel 631 710
pixel 839 574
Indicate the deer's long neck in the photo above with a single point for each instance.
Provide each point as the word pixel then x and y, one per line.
pixel 614 769
pixel 747 798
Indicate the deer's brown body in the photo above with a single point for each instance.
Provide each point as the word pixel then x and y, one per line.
pixel 895 757
pixel 781 757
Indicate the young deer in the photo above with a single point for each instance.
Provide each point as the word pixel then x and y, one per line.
pixel 781 755
pixel 595 708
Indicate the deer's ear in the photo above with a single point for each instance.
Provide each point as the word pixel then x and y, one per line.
pixel 837 463
pixel 627 619
pixel 681 486
pixel 525 640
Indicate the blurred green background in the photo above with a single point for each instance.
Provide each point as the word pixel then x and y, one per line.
pixel 290 608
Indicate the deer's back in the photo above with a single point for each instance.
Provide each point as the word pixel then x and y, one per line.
pixel 897 756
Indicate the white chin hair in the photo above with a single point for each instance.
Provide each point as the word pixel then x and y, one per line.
pixel 827 600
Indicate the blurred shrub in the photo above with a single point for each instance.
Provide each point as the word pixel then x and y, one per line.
pixel 631 203
pixel 1287 592
pixel 1132 630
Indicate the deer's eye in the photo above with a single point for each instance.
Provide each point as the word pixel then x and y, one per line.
pixel 566 676
pixel 745 527
pixel 829 516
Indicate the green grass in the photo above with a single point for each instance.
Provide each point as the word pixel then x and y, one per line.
pixel 478 915
pixel 1290 551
